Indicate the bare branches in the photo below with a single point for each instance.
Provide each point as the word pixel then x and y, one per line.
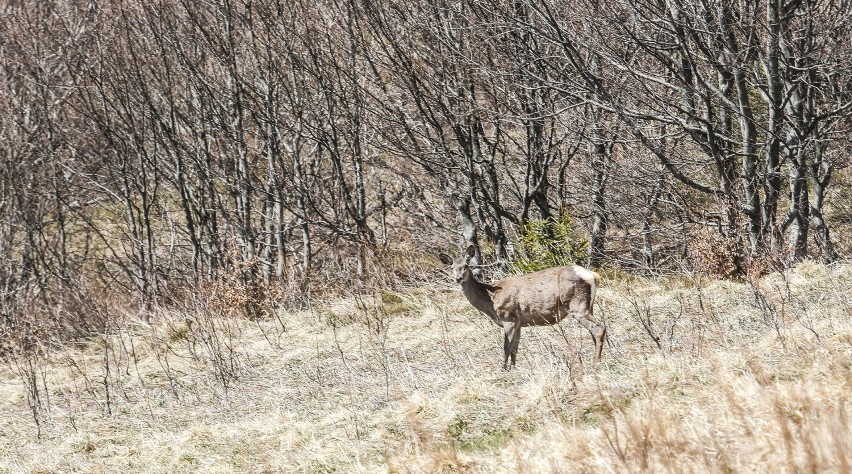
pixel 161 145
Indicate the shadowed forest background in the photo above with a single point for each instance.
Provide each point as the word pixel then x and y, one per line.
pixel 265 152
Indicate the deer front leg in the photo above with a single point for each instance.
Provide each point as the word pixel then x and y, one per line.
pixel 511 340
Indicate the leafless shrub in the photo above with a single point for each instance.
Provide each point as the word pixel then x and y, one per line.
pixel 211 337
pixel 29 367
pixel 640 309
pixel 715 255
pixel 773 305
pixel 44 318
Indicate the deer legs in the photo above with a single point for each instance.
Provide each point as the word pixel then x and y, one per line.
pixel 512 337
pixel 597 330
pixel 511 340
pixel 582 312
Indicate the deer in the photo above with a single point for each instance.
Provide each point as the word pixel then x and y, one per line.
pixel 541 298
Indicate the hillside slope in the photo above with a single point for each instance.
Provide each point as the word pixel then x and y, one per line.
pixel 697 376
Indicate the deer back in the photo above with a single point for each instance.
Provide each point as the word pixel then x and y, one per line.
pixel 544 297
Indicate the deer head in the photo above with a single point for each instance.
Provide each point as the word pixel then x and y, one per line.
pixel 460 266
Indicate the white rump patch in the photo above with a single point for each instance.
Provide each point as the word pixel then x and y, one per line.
pixel 589 277
pixel 586 275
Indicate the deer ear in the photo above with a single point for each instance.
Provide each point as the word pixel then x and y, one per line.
pixel 445 259
pixel 471 251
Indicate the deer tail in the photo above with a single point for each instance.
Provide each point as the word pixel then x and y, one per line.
pixel 594 284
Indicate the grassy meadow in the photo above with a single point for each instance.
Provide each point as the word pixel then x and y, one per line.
pixel 697 376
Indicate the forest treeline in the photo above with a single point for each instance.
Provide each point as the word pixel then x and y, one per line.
pixel 152 149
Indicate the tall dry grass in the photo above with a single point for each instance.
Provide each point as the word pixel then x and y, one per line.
pixel 698 376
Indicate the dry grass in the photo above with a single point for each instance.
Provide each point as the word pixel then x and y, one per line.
pixel 698 376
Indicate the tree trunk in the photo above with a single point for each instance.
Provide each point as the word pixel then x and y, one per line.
pixel 600 222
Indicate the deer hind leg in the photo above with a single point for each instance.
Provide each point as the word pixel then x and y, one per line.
pixel 584 317
pixel 511 340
